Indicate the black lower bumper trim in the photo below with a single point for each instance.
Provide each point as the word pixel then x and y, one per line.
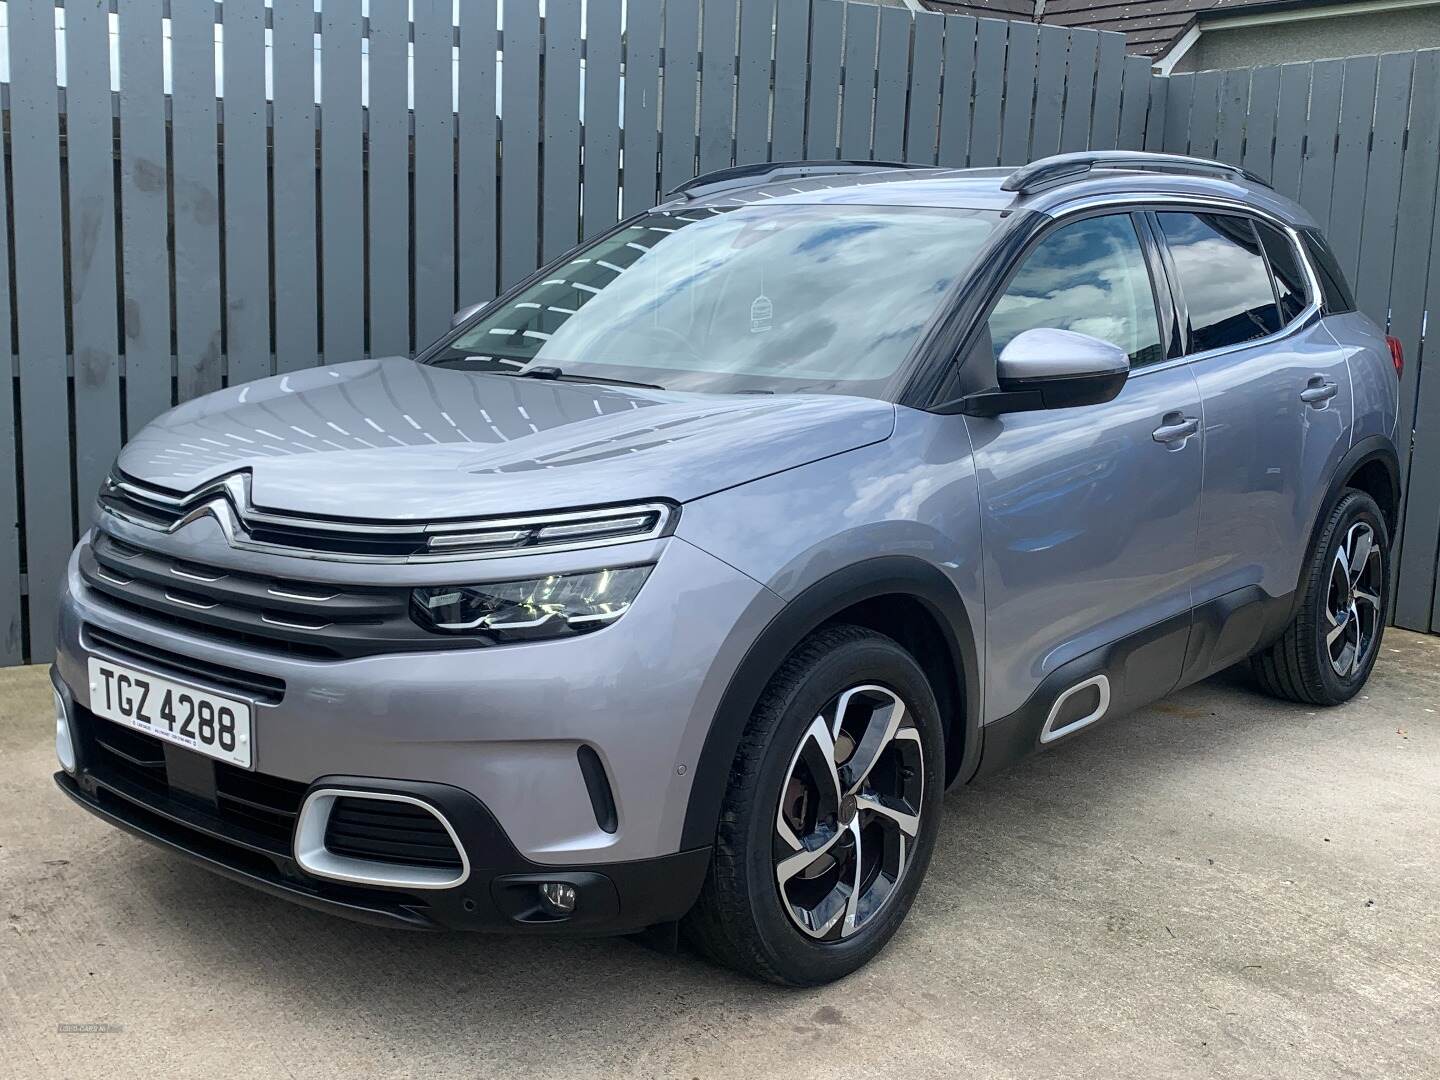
pixel 501 893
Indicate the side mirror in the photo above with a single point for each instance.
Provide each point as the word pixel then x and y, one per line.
pixel 1053 369
pixel 465 313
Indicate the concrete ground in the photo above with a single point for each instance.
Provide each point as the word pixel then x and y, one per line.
pixel 1219 886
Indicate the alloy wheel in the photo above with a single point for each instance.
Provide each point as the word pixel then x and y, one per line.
pixel 1352 602
pixel 849 813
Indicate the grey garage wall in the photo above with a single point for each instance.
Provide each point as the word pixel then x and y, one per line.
pixel 359 178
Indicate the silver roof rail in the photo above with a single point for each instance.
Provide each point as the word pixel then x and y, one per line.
pixel 1065 167
pixel 763 171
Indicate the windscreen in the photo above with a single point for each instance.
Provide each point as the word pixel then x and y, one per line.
pixel 769 297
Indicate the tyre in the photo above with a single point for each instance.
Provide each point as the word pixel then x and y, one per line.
pixel 1328 650
pixel 830 816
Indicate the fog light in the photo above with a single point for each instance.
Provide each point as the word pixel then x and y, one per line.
pixel 64 748
pixel 557 897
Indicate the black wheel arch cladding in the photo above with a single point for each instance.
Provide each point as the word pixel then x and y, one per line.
pixel 899 575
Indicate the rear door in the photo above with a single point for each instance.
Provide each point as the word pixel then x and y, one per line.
pixel 1276 395
pixel 1089 514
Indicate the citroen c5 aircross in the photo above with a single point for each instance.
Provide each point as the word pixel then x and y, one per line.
pixel 670 590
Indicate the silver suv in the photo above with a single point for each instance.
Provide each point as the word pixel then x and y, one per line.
pixel 670 590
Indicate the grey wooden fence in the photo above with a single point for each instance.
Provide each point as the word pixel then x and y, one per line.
pixel 156 245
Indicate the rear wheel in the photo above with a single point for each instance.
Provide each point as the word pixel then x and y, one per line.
pixel 830 816
pixel 1328 651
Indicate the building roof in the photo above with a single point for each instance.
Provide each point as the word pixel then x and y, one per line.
pixel 1149 26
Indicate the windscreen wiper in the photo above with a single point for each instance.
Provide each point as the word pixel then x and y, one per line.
pixel 555 374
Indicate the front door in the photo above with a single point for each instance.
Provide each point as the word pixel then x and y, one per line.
pixel 1089 514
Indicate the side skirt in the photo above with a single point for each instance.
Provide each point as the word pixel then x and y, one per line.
pixel 1134 671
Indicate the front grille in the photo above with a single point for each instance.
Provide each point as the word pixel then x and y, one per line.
pixel 262 688
pixel 277 615
pixel 384 830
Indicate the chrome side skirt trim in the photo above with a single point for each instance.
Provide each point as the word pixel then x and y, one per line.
pixel 315 858
pixel 1049 733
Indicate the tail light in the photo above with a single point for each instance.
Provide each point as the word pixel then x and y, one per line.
pixel 1397 354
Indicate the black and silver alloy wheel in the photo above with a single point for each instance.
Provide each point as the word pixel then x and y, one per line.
pixel 1329 648
pixel 1352 603
pixel 830 813
pixel 849 812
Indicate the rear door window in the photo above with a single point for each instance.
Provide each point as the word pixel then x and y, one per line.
pixel 1290 285
pixel 1223 278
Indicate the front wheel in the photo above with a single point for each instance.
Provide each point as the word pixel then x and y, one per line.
pixel 1329 649
pixel 830 816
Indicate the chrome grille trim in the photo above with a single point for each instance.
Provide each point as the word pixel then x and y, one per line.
pixel 227 502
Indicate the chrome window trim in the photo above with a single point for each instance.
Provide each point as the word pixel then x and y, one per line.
pixel 227 502
pixel 316 859
pixel 1143 201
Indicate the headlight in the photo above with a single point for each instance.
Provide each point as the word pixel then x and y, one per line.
pixel 557 606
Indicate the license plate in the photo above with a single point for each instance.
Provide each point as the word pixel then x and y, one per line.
pixel 198 720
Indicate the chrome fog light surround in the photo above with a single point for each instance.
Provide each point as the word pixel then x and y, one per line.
pixel 64 741
pixel 316 859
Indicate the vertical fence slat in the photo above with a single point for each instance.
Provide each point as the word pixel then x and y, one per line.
pixel 792 45
pixel 1179 97
pixel 1079 92
pixel 476 162
pixel 892 76
pixel 922 121
pixel 1019 92
pixel 195 194
pixel 602 118
pixel 1134 103
pixel 1230 125
pixel 1357 115
pixel 296 284
pixel 247 207
pixel 40 314
pixel 1317 170
pixel 144 217
pixel 752 93
pixel 1204 114
pixel 958 80
pixel 388 173
pixel 1109 72
pixel 642 105
pixel 989 84
pixel 1290 115
pixel 560 193
pixel 12 623
pixel 39 294
pixel 1421 545
pixel 1382 188
pixel 1260 122
pixel 858 100
pixel 677 118
pixel 560 198
pixel 1155 115
pixel 341 185
pixel 823 107
pixel 435 296
pixel 1054 47
pixel 1417 250
pixel 717 84
pixel 560 202
pixel 520 142
pixel 90 171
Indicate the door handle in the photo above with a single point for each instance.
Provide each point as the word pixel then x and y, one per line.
pixel 1175 429
pixel 1318 391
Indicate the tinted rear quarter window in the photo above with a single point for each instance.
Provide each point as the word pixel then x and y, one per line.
pixel 1337 296
pixel 1290 283
pixel 1223 277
